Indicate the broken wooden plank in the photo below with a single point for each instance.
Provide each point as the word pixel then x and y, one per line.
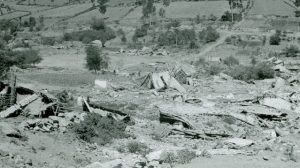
pixel 172 118
pixel 86 104
pixel 176 108
pixel 13 110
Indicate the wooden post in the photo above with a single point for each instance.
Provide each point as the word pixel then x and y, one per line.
pixel 12 85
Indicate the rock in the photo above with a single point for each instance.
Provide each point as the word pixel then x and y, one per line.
pixel 155 156
pixel 279 83
pixel 153 164
pixel 100 84
pixel 10 130
pixel 3 153
pixel 110 164
pixel 225 76
pixel 238 142
pixel 266 158
pixel 277 103
pixel 79 101
pixel 227 152
pixel 29 162
pixel 280 132
pixel 269 134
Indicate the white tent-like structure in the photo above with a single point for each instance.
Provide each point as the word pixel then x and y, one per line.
pixel 162 80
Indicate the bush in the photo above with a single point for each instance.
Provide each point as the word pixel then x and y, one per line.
pixel 140 32
pixel 214 69
pixel 257 72
pixel 275 39
pixel 173 24
pixel 137 147
pixel 200 62
pixel 291 51
pixel 178 37
pixel 209 35
pixel 48 41
pixel 228 17
pixel 98 24
pixel 28 57
pixel 185 156
pixel 87 36
pixel 100 130
pixel 231 61
pixel 95 60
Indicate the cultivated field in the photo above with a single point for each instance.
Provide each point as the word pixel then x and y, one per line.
pixel 188 9
pixel 272 7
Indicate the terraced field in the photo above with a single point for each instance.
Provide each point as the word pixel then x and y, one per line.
pixel 272 7
pixel 46 2
pixel 188 9
pixel 13 15
pixel 113 13
pixel 64 11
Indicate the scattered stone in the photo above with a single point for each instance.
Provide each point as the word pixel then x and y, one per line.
pixel 110 164
pixel 228 152
pixel 155 156
pixel 269 134
pixel 239 143
pixel 100 84
pixel 277 103
pixel 10 130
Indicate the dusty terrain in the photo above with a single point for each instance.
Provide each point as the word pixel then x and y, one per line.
pixel 220 122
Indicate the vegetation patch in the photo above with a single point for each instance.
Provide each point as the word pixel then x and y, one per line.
pixel 256 72
pixel 100 130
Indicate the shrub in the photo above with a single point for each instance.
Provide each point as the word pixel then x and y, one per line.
pixel 214 69
pixel 178 37
pixel 257 72
pixel 169 157
pixel 28 57
pixel 200 62
pixel 100 130
pixel 48 41
pixel 173 23
pixel 209 35
pixel 140 32
pixel 87 36
pixel 98 24
pixel 95 60
pixel 185 156
pixel 291 51
pixel 275 39
pixel 123 39
pixel 137 147
pixel 231 61
pixel 228 17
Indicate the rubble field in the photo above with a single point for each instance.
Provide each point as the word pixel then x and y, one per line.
pixel 172 119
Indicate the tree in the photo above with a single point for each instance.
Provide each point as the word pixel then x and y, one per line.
pixel 297 3
pixel 275 39
pixel 166 2
pixel 32 22
pixel 162 12
pixel 209 35
pixel 95 59
pixel 102 6
pixel 148 9
pixel 198 19
pixel 98 24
